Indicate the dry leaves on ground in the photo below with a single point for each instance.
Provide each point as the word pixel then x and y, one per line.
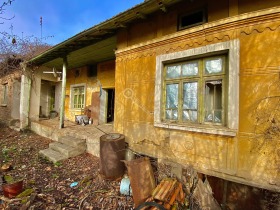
pixel 51 182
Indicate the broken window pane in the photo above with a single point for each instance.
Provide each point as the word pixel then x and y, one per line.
pixel 214 66
pixel 173 71
pixel 218 116
pixel 213 101
pixel 190 69
pixel 190 95
pixel 172 96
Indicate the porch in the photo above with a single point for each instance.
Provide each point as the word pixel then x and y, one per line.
pixel 91 133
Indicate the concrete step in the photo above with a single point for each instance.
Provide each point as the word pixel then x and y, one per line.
pixel 14 122
pixel 52 155
pixel 67 150
pixel 16 128
pixel 72 141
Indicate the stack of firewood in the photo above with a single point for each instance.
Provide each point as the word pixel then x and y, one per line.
pixel 168 194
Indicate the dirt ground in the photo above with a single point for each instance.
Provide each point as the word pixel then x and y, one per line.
pixel 50 183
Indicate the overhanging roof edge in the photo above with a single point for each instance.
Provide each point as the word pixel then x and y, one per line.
pixel 98 27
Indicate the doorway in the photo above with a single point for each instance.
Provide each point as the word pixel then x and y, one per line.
pixel 110 105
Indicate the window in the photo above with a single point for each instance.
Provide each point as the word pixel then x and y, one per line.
pixel 191 19
pixel 77 96
pixel 4 94
pixel 194 91
pixel 197 89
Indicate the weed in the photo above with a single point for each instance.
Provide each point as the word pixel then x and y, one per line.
pixel 57 164
pixel 5 154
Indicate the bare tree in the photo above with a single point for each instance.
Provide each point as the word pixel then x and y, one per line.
pixel 14 50
pixel 2 11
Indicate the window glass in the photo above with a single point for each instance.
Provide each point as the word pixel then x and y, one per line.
pixel 190 102
pixel 191 19
pixel 190 69
pixel 172 96
pixel 191 83
pixel 172 101
pixel 213 66
pixel 173 71
pixel 78 97
pixel 190 115
pixel 190 95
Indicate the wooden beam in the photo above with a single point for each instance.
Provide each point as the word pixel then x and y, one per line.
pixel 92 37
pixel 120 25
pixel 141 15
pixel 162 7
pixel 63 91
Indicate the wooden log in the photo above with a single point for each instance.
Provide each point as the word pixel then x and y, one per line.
pixel 181 195
pixel 167 188
pixel 157 189
pixel 173 198
pixel 168 192
pixel 164 185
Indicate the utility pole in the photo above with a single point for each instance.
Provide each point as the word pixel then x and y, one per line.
pixel 41 24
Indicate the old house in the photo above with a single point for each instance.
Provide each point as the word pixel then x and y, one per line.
pixel 191 82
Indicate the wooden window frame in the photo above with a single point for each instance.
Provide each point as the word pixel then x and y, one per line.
pixel 72 88
pixel 201 78
pixel 180 18
pixel 231 100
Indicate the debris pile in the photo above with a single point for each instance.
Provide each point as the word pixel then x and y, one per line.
pixel 169 193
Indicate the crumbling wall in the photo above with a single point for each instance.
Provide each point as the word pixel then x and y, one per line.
pixel 6 109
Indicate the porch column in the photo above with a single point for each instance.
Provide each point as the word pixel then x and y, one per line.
pixel 62 102
pixel 24 106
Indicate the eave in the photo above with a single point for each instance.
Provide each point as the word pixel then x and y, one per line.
pixel 103 34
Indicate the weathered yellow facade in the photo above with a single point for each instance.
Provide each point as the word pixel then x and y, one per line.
pixel 252 155
pixel 245 149
pixel 105 78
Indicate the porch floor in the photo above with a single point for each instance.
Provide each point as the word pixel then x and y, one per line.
pixel 91 133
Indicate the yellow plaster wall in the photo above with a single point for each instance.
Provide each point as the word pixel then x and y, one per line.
pixel 252 5
pixel 248 158
pixel 105 78
pixel 106 74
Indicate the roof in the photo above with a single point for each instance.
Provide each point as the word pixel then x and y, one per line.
pixel 97 43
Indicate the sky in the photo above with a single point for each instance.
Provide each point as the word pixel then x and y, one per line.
pixel 61 19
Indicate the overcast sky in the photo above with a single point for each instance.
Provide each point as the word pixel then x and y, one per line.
pixel 61 19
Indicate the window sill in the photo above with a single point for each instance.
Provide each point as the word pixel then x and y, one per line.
pixel 3 105
pixel 199 128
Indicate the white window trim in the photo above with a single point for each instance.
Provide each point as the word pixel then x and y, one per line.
pixel 71 95
pixel 233 49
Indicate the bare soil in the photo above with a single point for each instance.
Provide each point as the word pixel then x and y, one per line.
pixel 51 183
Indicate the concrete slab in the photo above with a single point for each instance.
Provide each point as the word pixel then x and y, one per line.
pixel 67 150
pixel 52 155
pixel 16 128
pixel 72 141
pixel 90 133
